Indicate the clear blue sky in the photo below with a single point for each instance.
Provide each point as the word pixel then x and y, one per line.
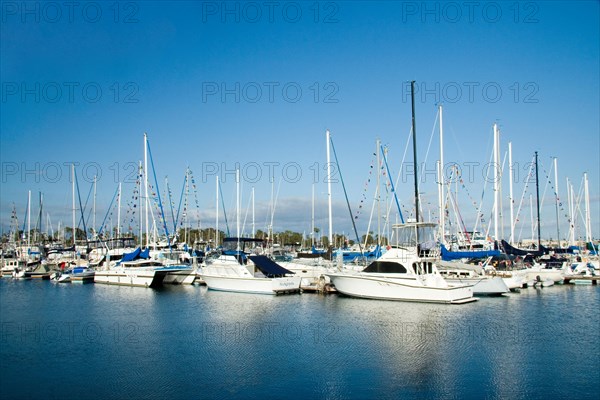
pixel 215 84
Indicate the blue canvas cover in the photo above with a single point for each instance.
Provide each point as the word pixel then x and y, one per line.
pixel 269 267
pixel 131 256
pixel 448 255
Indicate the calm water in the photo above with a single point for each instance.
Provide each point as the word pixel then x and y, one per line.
pixel 79 341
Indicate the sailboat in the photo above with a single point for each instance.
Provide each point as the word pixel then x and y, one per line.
pixel 407 271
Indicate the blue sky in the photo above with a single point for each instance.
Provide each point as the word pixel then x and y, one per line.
pixel 215 84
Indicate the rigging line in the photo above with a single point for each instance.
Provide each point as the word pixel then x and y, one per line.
pixel 158 194
pixel 224 211
pixel 485 181
pixel 401 168
pixel 346 195
pixel 80 209
pixel 275 203
pixel 527 181
pixel 392 184
pixel 185 181
pixel 108 211
pixel 171 206
pixel 437 116
pixel 246 215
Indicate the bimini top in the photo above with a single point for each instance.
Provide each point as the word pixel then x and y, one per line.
pixel 269 267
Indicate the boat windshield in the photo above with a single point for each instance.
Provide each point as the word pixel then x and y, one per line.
pixel 245 244
pixel 408 234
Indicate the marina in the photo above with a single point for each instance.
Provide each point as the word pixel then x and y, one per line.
pixel 339 200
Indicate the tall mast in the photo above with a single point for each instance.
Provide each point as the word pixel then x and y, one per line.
pixel 496 182
pixel 510 195
pixel 237 201
pixel 378 198
pixel 557 200
pixel 571 213
pixel 140 202
pixel 146 189
pixel 73 184
pixel 94 209
pixel 217 215
pixel 329 189
pixel 414 138
pixel 588 222
pixel 253 220
pixel 442 181
pixel 41 214
pixel 312 217
pixel 119 213
pixel 537 191
pixel 29 217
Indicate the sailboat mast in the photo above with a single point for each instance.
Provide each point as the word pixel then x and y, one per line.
pixel 442 181
pixel 329 188
pixel 140 202
pixel 147 204
pixel 588 222
pixel 312 218
pixel 94 209
pixel 253 220
pixel 378 196
pixel 73 190
pixel 41 215
pixel 237 201
pixel 510 189
pixel 29 218
pixel 537 191
pixel 119 213
pixel 217 215
pixel 496 182
pixel 414 138
pixel 556 195
pixel 571 213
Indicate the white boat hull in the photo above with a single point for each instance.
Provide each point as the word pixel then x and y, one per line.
pixel 131 277
pixel 182 277
pixel 484 286
pixel 556 275
pixel 252 285
pixel 375 286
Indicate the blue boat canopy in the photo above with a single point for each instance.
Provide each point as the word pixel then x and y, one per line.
pixel 448 255
pixel 135 255
pixel 269 267
pixel 131 256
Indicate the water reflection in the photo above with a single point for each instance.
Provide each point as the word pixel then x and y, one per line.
pixel 188 342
